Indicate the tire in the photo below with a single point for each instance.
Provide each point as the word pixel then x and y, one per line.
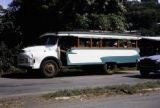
pixel 144 73
pixel 110 68
pixel 49 69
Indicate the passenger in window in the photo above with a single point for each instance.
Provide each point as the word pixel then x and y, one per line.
pixel 134 44
pixel 115 44
pixel 125 45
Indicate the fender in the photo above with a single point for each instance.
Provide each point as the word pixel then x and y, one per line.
pixel 52 58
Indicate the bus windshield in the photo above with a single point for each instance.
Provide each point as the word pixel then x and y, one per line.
pixel 47 40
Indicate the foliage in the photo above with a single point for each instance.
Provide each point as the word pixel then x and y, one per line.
pixel 82 21
pixel 39 16
pixel 116 22
pixel 110 22
pixel 25 20
pixel 113 90
pixel 7 58
pixel 99 22
pixel 9 32
pixel 144 17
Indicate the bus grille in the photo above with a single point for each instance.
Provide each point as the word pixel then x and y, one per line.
pixel 22 59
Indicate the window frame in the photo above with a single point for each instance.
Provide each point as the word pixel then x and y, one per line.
pixel 101 43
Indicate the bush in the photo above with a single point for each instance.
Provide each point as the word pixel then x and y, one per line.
pixel 7 58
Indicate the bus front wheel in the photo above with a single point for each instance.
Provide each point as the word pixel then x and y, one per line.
pixel 109 68
pixel 49 68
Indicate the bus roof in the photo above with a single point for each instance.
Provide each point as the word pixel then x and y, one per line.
pixel 97 35
pixel 152 38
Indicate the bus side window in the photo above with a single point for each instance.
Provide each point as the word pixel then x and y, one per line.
pixel 67 42
pixel 96 43
pixel 84 42
pixel 132 43
pixel 123 43
pixel 109 43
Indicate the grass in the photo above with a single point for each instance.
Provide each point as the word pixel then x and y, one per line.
pixel 107 90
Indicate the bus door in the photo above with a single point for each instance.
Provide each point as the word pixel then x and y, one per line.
pixel 66 43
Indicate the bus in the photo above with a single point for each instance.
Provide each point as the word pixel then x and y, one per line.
pixel 57 50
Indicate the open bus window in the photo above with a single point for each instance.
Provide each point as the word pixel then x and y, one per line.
pixel 96 42
pixel 127 43
pixel 67 42
pixel 84 42
pixel 109 43
pixel 132 43
pixel 123 43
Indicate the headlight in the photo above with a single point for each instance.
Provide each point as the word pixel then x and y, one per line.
pixel 31 61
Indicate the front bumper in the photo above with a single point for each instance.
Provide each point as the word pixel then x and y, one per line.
pixel 25 67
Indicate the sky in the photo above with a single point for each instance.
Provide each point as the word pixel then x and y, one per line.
pixel 140 0
pixel 5 3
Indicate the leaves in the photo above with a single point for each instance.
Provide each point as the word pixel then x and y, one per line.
pixel 144 16
pixel 39 16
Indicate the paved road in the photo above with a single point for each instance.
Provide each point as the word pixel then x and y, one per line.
pixel 149 100
pixel 24 84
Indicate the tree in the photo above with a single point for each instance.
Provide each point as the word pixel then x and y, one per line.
pixel 9 32
pixel 144 16
pixel 35 17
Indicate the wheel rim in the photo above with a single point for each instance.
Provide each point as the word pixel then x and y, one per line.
pixel 49 68
pixel 109 68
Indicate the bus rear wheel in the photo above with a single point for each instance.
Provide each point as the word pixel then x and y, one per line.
pixel 49 68
pixel 110 68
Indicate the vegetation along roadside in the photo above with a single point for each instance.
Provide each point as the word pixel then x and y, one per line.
pixel 123 89
pixel 85 93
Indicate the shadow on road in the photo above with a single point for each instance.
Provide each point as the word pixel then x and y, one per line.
pixel 86 72
pixel 66 73
pixel 151 76
pixel 22 76
pixel 80 73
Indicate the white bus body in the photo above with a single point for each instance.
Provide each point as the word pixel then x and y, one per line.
pixel 86 49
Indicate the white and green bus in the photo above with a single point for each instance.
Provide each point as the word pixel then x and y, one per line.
pixel 55 51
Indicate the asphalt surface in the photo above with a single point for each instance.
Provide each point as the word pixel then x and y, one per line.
pixel 26 84
pixel 149 100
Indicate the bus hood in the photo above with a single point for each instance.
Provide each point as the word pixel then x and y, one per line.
pixel 34 48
